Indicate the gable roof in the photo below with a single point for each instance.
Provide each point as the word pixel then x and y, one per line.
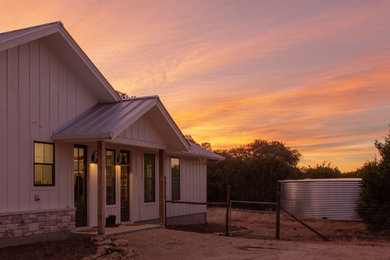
pixel 107 121
pixel 60 40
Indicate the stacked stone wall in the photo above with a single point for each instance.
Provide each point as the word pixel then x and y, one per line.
pixel 35 223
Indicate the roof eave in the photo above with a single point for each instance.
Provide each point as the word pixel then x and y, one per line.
pixel 104 136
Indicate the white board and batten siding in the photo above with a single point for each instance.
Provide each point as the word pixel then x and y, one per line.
pixel 193 186
pixel 38 93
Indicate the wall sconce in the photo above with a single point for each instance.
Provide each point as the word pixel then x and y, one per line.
pixel 122 159
pixel 94 157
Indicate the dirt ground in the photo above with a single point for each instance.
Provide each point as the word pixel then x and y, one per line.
pixel 253 240
pixel 65 249
pixel 262 225
pixel 173 244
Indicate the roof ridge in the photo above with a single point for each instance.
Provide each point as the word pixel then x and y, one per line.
pixel 33 27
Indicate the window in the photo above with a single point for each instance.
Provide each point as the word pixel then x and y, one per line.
pixel 110 177
pixel 149 178
pixel 175 178
pixel 43 164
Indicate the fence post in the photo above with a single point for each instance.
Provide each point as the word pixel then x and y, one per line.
pixel 227 209
pixel 277 233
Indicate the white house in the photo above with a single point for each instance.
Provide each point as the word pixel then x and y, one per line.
pixel 73 153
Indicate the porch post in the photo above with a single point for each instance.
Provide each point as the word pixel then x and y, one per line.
pixel 101 189
pixel 161 186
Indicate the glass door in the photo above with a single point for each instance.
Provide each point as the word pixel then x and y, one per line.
pixel 80 184
pixel 125 185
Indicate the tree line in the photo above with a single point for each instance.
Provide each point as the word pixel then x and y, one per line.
pixel 253 171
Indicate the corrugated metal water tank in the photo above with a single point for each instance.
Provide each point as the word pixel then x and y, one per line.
pixel 321 198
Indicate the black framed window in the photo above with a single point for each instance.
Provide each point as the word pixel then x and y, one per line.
pixel 44 164
pixel 110 177
pixel 149 178
pixel 175 178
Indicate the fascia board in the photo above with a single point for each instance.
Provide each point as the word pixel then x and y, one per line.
pixel 104 136
pixel 173 125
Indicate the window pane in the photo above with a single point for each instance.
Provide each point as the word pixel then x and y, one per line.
pixel 38 153
pixel 48 155
pixel 175 189
pixel 149 178
pixel 43 174
pixel 149 190
pixel 175 178
pixel 110 177
pixel 43 164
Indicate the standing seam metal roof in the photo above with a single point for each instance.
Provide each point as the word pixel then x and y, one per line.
pixel 104 119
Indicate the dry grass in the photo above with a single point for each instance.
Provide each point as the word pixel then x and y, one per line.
pixel 263 225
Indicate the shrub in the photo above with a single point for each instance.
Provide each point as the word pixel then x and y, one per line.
pixel 374 205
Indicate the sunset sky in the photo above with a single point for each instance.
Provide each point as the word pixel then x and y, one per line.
pixel 313 74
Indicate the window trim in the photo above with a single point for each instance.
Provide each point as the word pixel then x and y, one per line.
pixel 115 200
pixel 153 179
pixel 179 179
pixel 53 172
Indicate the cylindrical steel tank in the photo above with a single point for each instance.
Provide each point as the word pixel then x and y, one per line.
pixel 321 198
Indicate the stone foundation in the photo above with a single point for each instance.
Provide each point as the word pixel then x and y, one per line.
pixel 33 223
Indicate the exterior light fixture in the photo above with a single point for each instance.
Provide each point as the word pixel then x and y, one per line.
pixel 94 157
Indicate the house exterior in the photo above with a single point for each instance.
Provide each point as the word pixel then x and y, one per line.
pixel 73 153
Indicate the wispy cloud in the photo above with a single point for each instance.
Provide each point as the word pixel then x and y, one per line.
pixel 314 74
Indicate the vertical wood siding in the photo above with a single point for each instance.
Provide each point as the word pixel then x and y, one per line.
pixel 143 130
pixel 193 186
pixel 38 93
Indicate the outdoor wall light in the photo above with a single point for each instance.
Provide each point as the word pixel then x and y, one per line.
pixel 94 157
pixel 122 159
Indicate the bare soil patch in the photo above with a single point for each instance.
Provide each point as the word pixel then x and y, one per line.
pixel 262 225
pixel 173 244
pixel 74 248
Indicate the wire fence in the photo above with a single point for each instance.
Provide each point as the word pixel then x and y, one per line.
pixel 272 220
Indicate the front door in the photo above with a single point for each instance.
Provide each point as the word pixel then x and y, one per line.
pixel 125 185
pixel 80 184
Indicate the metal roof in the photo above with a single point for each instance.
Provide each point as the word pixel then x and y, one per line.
pixel 6 36
pixel 105 120
pixel 198 151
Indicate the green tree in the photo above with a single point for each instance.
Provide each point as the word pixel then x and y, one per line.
pixel 321 171
pixel 374 205
pixel 252 170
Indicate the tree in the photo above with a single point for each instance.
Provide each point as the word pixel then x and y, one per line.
pixel 207 146
pixel 374 205
pixel 252 170
pixel 122 95
pixel 324 170
pixel 190 138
